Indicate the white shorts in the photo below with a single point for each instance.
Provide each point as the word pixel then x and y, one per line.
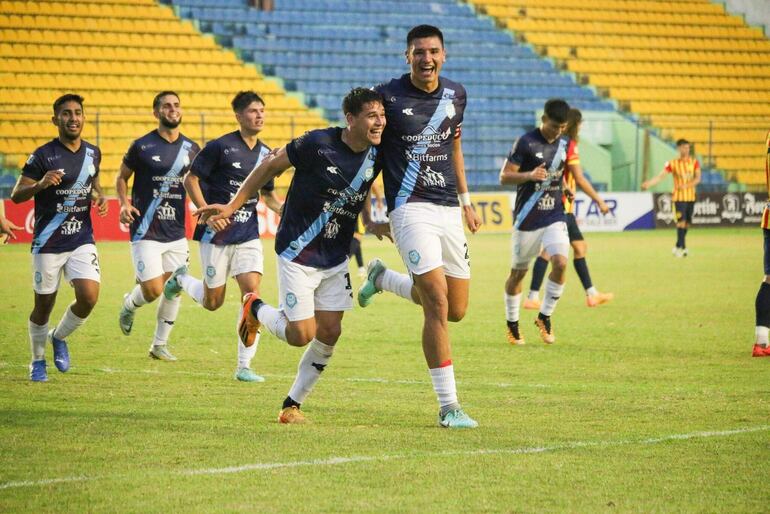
pixel 525 245
pixel 430 236
pixel 302 290
pixel 153 258
pixel 82 262
pixel 220 261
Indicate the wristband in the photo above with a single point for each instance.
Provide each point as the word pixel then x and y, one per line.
pixel 465 199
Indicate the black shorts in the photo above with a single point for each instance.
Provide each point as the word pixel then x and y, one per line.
pixel 573 231
pixel 683 211
pixel 766 233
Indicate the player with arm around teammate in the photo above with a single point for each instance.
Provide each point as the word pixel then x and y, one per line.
pixel 63 178
pixel 334 169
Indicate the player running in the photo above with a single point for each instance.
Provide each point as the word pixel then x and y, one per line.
pixel 334 169
pixel 687 175
pixel 762 303
pixel 573 175
pixel 536 165
pixel 63 177
pixel 156 216
pixel 423 172
pixel 229 247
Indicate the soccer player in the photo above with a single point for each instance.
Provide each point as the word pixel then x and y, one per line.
pixel 358 235
pixel 7 227
pixel 762 303
pixel 63 178
pixel 423 172
pixel 536 165
pixel 156 215
pixel 229 247
pixel 334 169
pixel 686 173
pixel 573 175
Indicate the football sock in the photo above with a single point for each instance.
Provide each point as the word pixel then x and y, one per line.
pixel 312 364
pixel 533 295
pixel 581 266
pixel 192 286
pixel 397 283
pixel 512 304
pixel 680 232
pixel 355 250
pixel 135 299
pixel 272 319
pixel 538 274
pixel 167 312
pixel 68 324
pixel 553 292
pixel 288 402
pixel 247 353
pixel 591 291
pixel 443 379
pixel 38 335
pixel 762 306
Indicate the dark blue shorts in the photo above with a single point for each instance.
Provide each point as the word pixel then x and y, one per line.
pixel 573 231
pixel 683 211
pixel 766 233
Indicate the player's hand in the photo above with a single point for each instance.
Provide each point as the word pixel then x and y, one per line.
pixel 645 186
pixel 569 193
pixel 539 174
pixel 472 219
pixel 7 227
pixel 380 230
pixel 217 225
pixel 101 205
pixel 213 212
pixel 51 178
pixel 127 213
pixel 603 207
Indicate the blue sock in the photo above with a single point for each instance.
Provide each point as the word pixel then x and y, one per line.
pixel 581 266
pixel 538 273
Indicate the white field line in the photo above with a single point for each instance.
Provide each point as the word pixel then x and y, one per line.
pixel 336 461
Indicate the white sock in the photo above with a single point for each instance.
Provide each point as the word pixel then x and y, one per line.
pixel 247 353
pixel 553 292
pixel 533 295
pixel 38 336
pixel 68 324
pixel 444 384
pixel 512 304
pixel 273 320
pixel 313 362
pixel 135 299
pixel 397 283
pixel 192 286
pixel 591 291
pixel 761 333
pixel 167 312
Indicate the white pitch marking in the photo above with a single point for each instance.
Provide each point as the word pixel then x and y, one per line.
pixel 336 461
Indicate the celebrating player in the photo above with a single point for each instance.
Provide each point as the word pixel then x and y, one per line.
pixel 762 303
pixel 536 165
pixel 573 175
pixel 229 247
pixel 334 169
pixel 424 171
pixel 686 173
pixel 156 215
pixel 63 177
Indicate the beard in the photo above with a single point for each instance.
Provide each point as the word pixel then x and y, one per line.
pixel 170 124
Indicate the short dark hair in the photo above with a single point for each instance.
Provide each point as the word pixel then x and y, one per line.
pixel 245 98
pixel 680 142
pixel 69 97
pixel 353 103
pixel 574 117
pixel 156 100
pixel 557 110
pixel 421 31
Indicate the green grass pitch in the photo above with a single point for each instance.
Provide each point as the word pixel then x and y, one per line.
pixel 649 404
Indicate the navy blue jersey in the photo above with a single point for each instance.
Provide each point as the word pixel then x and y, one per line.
pixel 418 141
pixel 222 166
pixel 157 192
pixel 63 212
pixel 330 185
pixel 539 204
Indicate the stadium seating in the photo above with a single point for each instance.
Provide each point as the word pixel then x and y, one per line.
pixel 324 47
pixel 686 67
pixel 118 55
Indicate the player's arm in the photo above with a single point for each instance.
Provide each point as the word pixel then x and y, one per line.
pixel 27 187
pixel 7 226
pixel 378 229
pixel 259 176
pixel 510 174
pixel 654 180
pixel 583 183
pixel 271 200
pixel 97 197
pixel 696 179
pixel 127 210
pixel 472 219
